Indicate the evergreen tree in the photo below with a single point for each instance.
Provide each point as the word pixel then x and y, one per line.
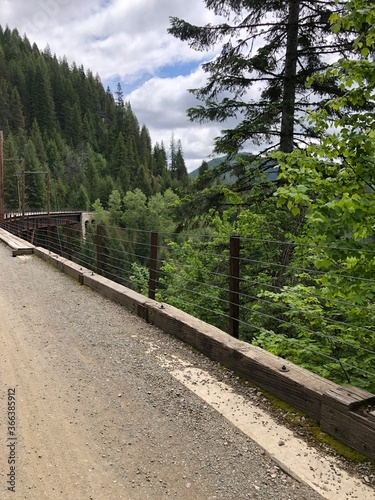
pixel 54 160
pixel 37 140
pixel 81 133
pixel 132 143
pixel 12 173
pixel 74 124
pixel 92 178
pixel 145 154
pixel 106 186
pixel 4 104
pixel 160 159
pixel 16 116
pixel 79 199
pixel 294 41
pixel 173 155
pixel 115 207
pixel 180 167
pixel 35 179
pixel 119 112
pixel 41 102
pixel 119 164
pixel 203 168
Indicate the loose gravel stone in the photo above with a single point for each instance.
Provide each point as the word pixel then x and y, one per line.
pixel 101 410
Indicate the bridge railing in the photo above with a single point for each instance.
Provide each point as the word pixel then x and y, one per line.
pixel 270 293
pixel 310 305
pixel 16 213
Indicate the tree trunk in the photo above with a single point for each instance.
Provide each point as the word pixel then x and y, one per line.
pixel 289 91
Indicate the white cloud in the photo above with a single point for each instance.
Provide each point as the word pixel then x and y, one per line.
pixel 161 104
pixel 128 42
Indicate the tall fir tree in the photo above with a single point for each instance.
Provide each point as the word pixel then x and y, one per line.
pixel 35 179
pixel 41 101
pixel 293 41
pixel 12 174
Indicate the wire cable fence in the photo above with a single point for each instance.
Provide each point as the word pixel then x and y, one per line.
pixel 311 305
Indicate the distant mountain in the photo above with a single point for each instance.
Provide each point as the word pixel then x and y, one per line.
pixel 211 164
pixel 231 172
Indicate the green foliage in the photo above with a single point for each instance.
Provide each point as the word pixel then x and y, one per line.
pixel 189 283
pixel 35 179
pixel 126 229
pixel 115 207
pixel 307 253
pixel 319 334
pixel 268 50
pixel 101 216
pixel 12 173
pixel 91 142
pixel 332 182
pixel 195 268
pixel 139 278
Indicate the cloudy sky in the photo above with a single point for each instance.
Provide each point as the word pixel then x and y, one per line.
pixel 127 41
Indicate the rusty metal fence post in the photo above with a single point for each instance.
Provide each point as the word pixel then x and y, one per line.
pixel 234 287
pixel 99 248
pixel 2 209
pixel 49 236
pixel 153 265
pixel 68 234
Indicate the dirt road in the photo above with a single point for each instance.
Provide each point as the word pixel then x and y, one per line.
pixel 98 414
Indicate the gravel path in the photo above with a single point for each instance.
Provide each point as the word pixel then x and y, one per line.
pixel 99 415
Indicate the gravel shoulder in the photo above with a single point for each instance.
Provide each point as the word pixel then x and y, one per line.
pixel 100 416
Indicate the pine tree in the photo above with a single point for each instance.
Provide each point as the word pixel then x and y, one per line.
pixel 91 174
pixel 16 117
pixel 161 166
pixel 35 179
pixel 40 97
pixel 131 134
pixel 145 154
pixel 12 173
pixel 180 167
pixel 160 159
pixel 73 126
pixel 172 156
pixel 37 140
pixel 120 110
pixel 294 41
pixel 4 104
pixel 80 199
pixel 119 166
pixel 203 168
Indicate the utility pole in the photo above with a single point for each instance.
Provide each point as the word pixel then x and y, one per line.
pixel 1 178
pixel 23 188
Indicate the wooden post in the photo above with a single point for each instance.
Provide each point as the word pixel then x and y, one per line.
pixel 234 286
pixel 99 249
pixel 68 230
pixel 48 193
pixel 23 195
pixel 49 209
pixel 1 178
pixel 153 265
pixel 23 187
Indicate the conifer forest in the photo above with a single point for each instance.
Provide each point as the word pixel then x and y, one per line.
pixel 295 180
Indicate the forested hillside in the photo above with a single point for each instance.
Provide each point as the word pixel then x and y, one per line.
pixel 307 252
pixel 60 119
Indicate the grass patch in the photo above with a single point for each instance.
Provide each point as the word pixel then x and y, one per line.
pixel 310 428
